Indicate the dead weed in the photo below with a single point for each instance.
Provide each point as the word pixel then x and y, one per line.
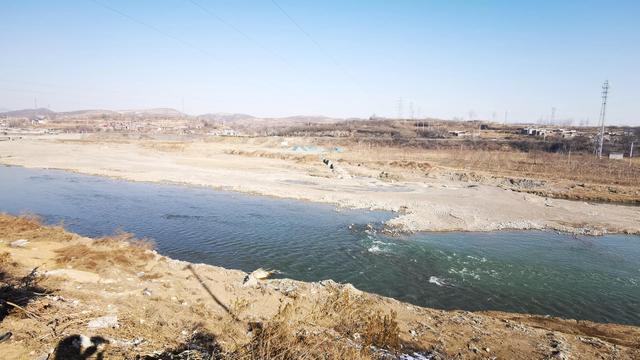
pixel 344 326
pixel 30 227
pixel 122 250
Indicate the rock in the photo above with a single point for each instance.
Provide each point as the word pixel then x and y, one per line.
pixel 251 280
pixel 262 274
pixel 109 321
pixel 19 243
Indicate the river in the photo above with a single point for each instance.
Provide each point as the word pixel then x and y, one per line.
pixel 592 278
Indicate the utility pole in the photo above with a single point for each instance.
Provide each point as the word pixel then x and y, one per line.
pixel 603 109
pixel 552 121
pixel 400 115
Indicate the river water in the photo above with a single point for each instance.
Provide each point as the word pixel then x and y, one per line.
pixel 592 278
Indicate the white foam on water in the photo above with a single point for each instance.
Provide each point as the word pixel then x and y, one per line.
pixel 437 281
pixel 464 273
pixel 482 259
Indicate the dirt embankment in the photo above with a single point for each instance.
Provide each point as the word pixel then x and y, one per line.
pixel 68 297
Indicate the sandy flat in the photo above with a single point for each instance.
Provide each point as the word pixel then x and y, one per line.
pixel 429 204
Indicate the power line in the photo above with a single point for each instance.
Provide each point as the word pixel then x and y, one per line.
pixel 320 47
pixel 151 27
pixel 183 42
pixel 239 31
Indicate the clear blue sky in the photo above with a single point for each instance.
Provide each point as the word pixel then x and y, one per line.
pixel 448 58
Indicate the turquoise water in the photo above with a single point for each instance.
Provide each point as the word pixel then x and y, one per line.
pixel 593 278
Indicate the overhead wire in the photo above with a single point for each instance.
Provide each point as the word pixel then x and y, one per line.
pixel 322 49
pixel 151 27
pixel 177 39
pixel 239 31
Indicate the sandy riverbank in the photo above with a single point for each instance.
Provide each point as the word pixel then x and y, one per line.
pixel 130 301
pixel 429 202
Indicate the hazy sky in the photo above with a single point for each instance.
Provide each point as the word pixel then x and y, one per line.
pixel 346 58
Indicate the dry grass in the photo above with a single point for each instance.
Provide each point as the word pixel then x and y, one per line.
pixel 577 167
pixel 173 146
pixel 344 326
pixel 122 250
pixel 540 165
pixel 30 227
pixel 27 222
pixel 118 250
pixel 349 314
pixel 300 158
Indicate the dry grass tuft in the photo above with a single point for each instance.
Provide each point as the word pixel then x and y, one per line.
pixel 122 250
pixel 5 260
pixel 22 223
pixel 354 315
pixel 344 326
pixel 125 238
pixel 165 146
pixel 30 227
pixel 284 338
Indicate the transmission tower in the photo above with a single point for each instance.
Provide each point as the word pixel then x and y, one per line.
pixel 603 109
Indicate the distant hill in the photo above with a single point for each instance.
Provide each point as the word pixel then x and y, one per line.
pixel 79 113
pixel 231 118
pixel 29 113
pixel 309 119
pixel 226 117
pixel 92 113
pixel 169 113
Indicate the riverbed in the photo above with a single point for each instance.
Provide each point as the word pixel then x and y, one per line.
pixel 593 278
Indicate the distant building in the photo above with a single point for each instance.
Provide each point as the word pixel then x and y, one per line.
pixel 616 156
